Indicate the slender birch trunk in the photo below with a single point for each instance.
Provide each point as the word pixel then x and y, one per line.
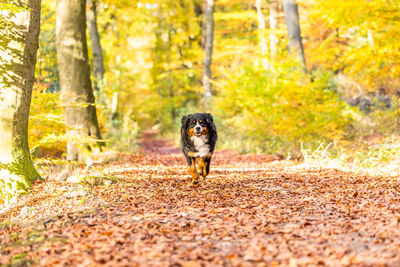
pixel 17 73
pixel 209 39
pixel 73 64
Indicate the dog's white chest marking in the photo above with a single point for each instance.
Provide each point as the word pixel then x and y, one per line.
pixel 201 146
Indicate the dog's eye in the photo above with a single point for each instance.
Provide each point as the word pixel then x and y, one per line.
pixel 199 121
pixel 194 122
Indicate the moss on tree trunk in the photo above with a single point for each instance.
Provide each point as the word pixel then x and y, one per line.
pixel 19 44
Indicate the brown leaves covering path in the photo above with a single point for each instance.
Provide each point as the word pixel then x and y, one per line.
pixel 250 211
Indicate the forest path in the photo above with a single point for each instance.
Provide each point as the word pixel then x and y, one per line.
pixel 141 210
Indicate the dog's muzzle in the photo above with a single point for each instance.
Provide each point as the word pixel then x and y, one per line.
pixel 198 130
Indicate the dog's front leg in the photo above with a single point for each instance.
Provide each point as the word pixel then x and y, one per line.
pixel 193 171
pixel 207 162
pixel 202 168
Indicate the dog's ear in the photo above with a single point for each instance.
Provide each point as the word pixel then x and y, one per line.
pixel 209 118
pixel 184 121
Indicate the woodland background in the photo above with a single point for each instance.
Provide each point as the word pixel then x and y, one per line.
pixel 338 105
pixel 113 188
pixel 347 99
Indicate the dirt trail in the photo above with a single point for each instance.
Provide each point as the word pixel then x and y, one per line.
pixel 250 211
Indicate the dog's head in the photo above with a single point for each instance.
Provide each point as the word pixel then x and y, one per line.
pixel 197 124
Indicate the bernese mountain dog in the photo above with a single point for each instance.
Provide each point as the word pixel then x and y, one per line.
pixel 198 138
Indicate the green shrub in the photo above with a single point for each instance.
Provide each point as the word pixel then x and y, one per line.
pixel 275 111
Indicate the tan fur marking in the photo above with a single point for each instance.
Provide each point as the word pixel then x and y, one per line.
pixel 205 130
pixel 191 132
pixel 202 168
pixel 194 173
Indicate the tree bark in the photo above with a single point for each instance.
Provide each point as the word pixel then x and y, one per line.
pixel 203 25
pixel 97 53
pixel 17 73
pixel 295 45
pixel 198 11
pixel 209 25
pixel 115 97
pixel 261 28
pixel 73 64
pixel 273 25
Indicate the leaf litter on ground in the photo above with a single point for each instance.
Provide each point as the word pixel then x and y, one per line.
pixel 252 210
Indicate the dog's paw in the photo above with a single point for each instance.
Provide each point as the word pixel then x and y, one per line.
pixel 202 172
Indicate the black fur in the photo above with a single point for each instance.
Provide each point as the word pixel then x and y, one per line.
pixel 189 148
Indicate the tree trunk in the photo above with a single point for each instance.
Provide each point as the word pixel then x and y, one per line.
pixel 98 66
pixel 209 25
pixel 293 29
pixel 199 8
pixel 17 74
pixel 170 78
pixel 261 28
pixel 273 25
pixel 76 89
pixel 115 97
pixel 203 25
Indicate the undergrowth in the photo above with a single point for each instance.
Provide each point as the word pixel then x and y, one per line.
pixel 274 110
pixel 377 159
